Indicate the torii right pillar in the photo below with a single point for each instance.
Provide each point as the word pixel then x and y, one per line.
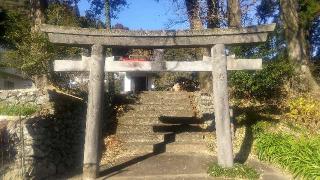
pixel 221 106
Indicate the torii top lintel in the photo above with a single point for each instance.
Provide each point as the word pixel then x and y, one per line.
pixel 157 39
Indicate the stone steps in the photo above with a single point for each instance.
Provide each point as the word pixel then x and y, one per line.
pixel 158 113
pixel 123 128
pixel 152 121
pixel 157 107
pixel 161 101
pixel 157 100
pixel 168 97
pixel 186 137
pixel 141 148
pixel 164 94
pixel 161 122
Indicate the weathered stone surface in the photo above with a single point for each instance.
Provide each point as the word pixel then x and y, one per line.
pixel 153 66
pixel 118 32
pixel 205 108
pixel 49 144
pixel 82 36
pixel 163 127
pixel 23 96
pixel 163 166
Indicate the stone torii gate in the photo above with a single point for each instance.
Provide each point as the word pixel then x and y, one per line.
pixel 97 64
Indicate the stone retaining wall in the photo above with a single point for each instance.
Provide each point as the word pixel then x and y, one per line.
pixel 49 144
pixel 205 107
pixel 23 96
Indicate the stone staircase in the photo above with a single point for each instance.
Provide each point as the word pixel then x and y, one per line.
pixel 161 122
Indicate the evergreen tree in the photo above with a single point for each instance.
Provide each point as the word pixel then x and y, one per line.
pixel 234 13
pixel 297 17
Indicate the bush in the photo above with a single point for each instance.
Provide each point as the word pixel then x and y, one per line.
pixel 305 111
pixel 265 84
pixel 31 52
pixel 237 171
pixel 301 156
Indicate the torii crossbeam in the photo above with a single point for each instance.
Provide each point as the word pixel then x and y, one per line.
pixel 204 65
pixel 157 39
pixel 218 64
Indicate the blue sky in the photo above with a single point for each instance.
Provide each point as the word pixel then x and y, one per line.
pixel 144 14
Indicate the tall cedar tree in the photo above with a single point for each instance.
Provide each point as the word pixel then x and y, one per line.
pixel 213 21
pixel 193 11
pixel 108 14
pixel 37 13
pixel 297 45
pixel 234 13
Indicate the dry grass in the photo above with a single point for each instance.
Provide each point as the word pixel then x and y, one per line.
pixel 114 148
pixel 12 174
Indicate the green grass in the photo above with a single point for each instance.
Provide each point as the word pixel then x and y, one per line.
pixel 16 110
pixel 301 156
pixel 237 171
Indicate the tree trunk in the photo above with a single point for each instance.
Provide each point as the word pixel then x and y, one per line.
pixel 234 13
pixel 234 17
pixel 108 14
pixel 297 46
pixel 193 10
pixel 37 13
pixel 213 14
pixel 110 76
pixel 212 22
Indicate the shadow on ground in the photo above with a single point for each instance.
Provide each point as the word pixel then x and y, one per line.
pixel 249 117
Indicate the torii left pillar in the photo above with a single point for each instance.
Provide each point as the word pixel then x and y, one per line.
pixel 94 113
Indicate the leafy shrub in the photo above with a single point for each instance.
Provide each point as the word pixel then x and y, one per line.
pixel 29 51
pixel 15 110
pixel 305 111
pixel 301 156
pixel 264 84
pixel 237 171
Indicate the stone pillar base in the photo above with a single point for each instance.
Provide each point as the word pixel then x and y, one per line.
pixel 90 171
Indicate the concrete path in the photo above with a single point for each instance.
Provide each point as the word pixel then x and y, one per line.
pixel 169 166
pixel 162 166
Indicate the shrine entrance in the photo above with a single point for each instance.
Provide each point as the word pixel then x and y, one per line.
pixel 218 63
pixel 140 83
